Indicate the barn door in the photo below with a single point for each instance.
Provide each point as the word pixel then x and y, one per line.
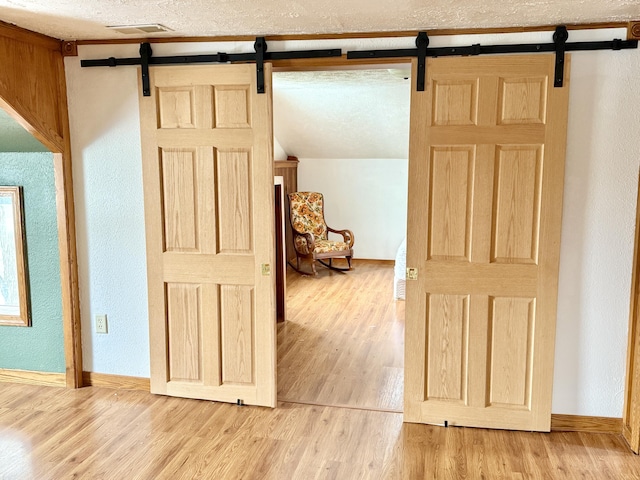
pixel 208 188
pixel 486 168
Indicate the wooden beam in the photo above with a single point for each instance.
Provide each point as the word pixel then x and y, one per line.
pixel 27 36
pixel 33 92
pixel 349 35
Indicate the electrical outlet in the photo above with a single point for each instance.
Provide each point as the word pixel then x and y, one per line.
pixel 101 324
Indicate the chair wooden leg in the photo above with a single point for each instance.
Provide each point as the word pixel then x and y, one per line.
pixel 313 267
pixel 349 262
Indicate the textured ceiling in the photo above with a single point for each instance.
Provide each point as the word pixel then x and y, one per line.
pixel 87 19
pixel 343 114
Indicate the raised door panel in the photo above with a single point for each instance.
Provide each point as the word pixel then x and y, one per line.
pixel 516 215
pixel 238 332
pixel 522 100
pixel 232 106
pixel 448 327
pixel 184 319
pixel 450 205
pixel 234 201
pixel 455 101
pixel 176 107
pixel 511 326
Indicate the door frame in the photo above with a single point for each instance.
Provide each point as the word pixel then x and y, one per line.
pixel 631 410
pixel 59 145
pixel 65 219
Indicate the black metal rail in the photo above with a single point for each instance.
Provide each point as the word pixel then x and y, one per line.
pixel 259 57
pixel 559 46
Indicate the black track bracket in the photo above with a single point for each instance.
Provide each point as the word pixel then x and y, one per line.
pixel 422 42
pixel 559 46
pixel 260 47
pixel 145 55
pixel 560 38
pixel 259 57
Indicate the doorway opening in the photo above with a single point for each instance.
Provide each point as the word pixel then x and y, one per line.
pixel 342 341
pixel 31 315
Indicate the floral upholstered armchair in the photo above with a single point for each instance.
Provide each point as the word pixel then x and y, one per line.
pixel 310 232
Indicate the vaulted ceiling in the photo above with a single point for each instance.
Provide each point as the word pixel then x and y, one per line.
pixel 88 19
pixel 343 115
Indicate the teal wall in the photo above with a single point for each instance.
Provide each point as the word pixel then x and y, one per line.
pixel 14 138
pixel 41 346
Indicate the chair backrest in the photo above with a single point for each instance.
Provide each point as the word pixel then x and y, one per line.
pixel 307 213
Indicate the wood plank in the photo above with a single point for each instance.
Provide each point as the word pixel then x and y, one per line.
pixel 32 377
pixel 581 423
pixel 28 36
pixel 345 35
pixel 119 382
pixel 631 410
pixel 97 432
pixel 189 138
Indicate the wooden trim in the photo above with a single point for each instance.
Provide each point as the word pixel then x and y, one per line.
pixel 49 379
pixel 349 35
pixel 23 317
pixel 67 244
pixel 285 164
pixel 378 261
pixel 631 410
pixel 580 423
pixel 92 379
pixel 633 31
pixel 68 270
pixel 46 117
pixel 69 49
pixel 29 121
pixel 23 35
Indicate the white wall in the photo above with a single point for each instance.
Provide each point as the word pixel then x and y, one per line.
pixel 367 196
pixel 598 223
pixel 107 178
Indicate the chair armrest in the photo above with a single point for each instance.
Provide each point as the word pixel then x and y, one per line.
pixel 346 234
pixel 304 243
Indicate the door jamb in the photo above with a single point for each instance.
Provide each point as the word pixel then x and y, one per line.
pixel 65 218
pixel 631 411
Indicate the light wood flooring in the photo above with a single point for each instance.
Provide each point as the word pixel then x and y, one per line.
pixel 51 433
pixel 343 341
pixel 342 346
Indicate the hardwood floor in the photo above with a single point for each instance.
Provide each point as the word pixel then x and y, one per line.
pixel 50 433
pixel 343 341
pixel 343 345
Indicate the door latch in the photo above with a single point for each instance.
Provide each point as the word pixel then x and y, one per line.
pixel 412 273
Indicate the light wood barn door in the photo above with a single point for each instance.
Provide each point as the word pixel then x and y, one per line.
pixel 209 213
pixel 486 168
